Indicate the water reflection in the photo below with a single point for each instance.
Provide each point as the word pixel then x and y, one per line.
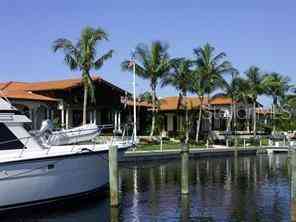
pixel 223 189
pixel 247 188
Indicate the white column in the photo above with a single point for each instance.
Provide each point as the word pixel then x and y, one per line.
pixel 115 121
pixel 95 117
pixel 63 117
pixel 67 118
pixel 119 121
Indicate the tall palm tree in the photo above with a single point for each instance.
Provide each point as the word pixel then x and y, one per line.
pixel 254 78
pixel 208 75
pixel 276 86
pixel 152 64
pixel 82 56
pixel 180 78
pixel 242 91
pixel 232 89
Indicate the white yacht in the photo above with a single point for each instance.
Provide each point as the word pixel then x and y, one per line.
pixel 33 171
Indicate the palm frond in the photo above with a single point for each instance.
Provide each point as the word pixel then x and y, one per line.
pixel 127 66
pixel 100 61
pixel 71 62
pixel 63 44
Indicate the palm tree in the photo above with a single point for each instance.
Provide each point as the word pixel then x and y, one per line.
pixel 180 78
pixel 208 75
pixel 152 64
pixel 232 89
pixel 254 78
pixel 275 85
pixel 242 91
pixel 82 56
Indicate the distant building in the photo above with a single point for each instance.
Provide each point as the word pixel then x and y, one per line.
pixel 174 113
pixel 219 107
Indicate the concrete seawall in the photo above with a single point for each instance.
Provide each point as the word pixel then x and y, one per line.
pixel 196 153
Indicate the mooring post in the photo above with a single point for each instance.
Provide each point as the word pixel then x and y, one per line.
pixel 184 168
pixel 113 176
pixel 185 208
pixel 293 183
pixel 114 214
pixel 235 153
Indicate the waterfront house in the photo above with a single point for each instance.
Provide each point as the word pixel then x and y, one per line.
pixel 219 106
pixel 61 101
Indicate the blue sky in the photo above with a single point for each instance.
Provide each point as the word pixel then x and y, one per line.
pixel 251 32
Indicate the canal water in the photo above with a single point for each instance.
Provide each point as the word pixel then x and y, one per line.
pixel 250 188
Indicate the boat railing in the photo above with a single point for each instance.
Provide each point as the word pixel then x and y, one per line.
pixel 37 138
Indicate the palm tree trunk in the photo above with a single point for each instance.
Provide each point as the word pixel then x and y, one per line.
pixel 229 121
pixel 254 119
pixel 153 112
pixel 186 119
pixel 274 104
pixel 198 124
pixel 210 119
pixel 85 104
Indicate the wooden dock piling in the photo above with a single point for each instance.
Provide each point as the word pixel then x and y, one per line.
pixel 292 167
pixel 113 176
pixel 185 208
pixel 184 168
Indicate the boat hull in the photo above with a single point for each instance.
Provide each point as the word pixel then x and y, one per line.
pixel 32 182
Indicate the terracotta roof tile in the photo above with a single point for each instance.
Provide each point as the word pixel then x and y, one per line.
pixel 26 95
pixel 221 100
pixel 46 85
pixel 29 91
pixel 172 103
pixel 142 104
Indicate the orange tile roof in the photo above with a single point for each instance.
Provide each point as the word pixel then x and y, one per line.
pixel 172 103
pixel 26 95
pixel 221 100
pixel 142 104
pixel 45 85
pixel 29 90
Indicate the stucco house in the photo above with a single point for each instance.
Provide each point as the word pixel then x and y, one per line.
pixel 62 100
pixel 219 107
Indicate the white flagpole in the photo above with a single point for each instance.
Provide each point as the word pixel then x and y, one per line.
pixel 135 105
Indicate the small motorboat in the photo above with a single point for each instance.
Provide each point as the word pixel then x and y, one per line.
pixel 74 135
